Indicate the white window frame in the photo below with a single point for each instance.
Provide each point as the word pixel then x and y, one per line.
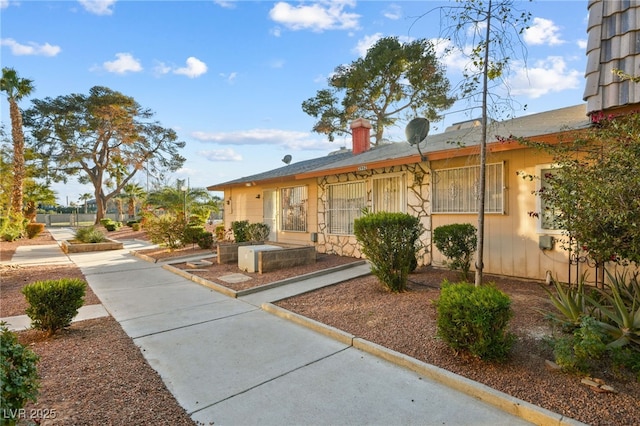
pixel 345 209
pixel 293 216
pixel 398 192
pixel 460 187
pixel 540 227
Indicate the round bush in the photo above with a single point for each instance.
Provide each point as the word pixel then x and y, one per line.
pixel 54 303
pixel 475 319
pixel 205 241
pixel 18 376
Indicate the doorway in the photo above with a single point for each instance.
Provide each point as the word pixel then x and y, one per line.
pixel 270 212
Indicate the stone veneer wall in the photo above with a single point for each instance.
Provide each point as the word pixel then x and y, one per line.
pixel 417 181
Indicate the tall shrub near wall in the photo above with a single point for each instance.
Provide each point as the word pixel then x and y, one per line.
pixel 389 241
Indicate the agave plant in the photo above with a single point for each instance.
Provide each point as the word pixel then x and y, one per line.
pixel 569 301
pixel 620 305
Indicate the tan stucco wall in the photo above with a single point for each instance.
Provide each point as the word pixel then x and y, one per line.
pixel 241 204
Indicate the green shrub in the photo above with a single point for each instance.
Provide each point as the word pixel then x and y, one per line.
pixel 475 319
pixel 34 229
pixel 166 230
pixel 112 226
pixel 89 234
pixel 135 226
pixel 258 232
pixel 18 377
pixel 192 233
pixel 457 242
pixel 578 351
pixel 11 230
pixel 239 228
pixel 105 220
pixel 206 240
pixel 389 241
pixel 130 223
pixel 220 232
pixel 54 303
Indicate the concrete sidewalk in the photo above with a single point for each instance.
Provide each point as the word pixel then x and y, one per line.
pixel 229 362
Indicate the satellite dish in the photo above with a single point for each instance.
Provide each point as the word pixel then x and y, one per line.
pixel 416 132
pixel 286 159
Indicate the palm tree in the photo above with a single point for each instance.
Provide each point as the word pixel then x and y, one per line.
pixel 181 200
pixel 16 88
pixel 85 197
pixel 132 192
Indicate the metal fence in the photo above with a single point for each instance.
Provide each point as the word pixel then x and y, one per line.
pixel 71 219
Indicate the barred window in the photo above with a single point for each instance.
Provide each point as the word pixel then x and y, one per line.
pixel 389 194
pixel 346 201
pixel 294 203
pixel 457 190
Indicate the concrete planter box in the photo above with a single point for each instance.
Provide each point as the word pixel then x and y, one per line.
pixel 71 246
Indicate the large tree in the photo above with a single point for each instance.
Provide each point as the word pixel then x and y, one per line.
pixel 104 138
pixel 394 82
pixel 16 89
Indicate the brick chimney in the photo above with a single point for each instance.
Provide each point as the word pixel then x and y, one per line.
pixel 360 130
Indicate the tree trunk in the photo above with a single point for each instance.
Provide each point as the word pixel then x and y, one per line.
pixel 483 158
pixel 101 207
pixel 18 157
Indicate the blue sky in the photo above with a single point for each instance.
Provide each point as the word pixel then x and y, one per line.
pixel 230 76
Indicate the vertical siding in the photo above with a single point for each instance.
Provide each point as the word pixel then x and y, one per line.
pixel 511 239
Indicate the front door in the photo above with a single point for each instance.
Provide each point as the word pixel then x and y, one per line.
pixel 270 212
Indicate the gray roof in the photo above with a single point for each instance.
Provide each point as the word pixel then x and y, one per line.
pixel 288 171
pixel 461 134
pixel 469 135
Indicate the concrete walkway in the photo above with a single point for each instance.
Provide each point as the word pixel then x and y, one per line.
pixel 227 361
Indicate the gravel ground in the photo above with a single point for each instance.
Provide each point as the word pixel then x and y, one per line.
pixel 100 388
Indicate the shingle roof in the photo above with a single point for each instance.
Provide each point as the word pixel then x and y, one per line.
pixel 282 173
pixel 534 125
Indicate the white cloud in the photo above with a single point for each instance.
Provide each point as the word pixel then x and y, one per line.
pixel 227 154
pixel 543 31
pixel 545 76
pixel 98 7
pixel 161 68
pixel 365 43
pixel 231 77
pixel 30 48
pixel 393 12
pixel 318 17
pixel 195 68
pixel 227 4
pixel 265 137
pixel 582 43
pixel 4 4
pixel 124 63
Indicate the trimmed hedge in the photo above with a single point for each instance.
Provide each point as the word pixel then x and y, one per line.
pixel 475 319
pixel 54 303
pixel 390 242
